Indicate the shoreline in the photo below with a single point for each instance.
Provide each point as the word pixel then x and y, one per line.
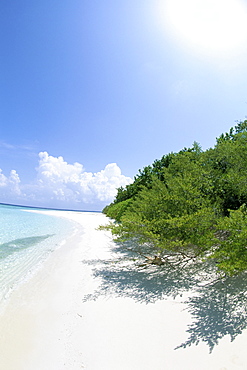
pixel 38 316
pixel 46 325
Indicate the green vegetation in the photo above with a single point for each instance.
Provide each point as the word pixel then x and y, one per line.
pixel 189 206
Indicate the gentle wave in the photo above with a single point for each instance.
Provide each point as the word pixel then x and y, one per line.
pixel 26 240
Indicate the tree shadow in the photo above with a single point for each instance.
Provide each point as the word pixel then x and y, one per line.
pixel 217 310
pixel 218 307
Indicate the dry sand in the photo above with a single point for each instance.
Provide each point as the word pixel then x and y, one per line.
pixel 46 324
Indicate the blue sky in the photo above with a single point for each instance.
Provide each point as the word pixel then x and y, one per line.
pixel 117 84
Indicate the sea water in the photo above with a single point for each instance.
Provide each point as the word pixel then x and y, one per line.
pixel 26 240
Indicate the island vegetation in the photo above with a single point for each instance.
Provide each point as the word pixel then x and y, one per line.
pixel 189 206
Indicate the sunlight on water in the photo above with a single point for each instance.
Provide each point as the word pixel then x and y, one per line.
pixel 26 240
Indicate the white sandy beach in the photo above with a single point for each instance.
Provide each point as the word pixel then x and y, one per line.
pixel 46 324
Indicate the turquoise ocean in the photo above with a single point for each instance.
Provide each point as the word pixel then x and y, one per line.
pixel 26 240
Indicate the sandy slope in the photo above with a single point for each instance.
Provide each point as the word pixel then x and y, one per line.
pixel 48 326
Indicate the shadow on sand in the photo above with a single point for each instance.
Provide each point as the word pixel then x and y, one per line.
pixel 218 307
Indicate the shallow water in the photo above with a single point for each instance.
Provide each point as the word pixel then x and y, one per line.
pixel 26 240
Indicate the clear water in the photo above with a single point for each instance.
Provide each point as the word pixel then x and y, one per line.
pixel 26 240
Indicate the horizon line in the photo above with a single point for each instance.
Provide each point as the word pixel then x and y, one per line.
pixel 47 208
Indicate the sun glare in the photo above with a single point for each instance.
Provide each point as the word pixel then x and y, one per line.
pixel 209 27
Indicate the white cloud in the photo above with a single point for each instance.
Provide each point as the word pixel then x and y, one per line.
pixel 9 186
pixel 62 185
pixel 3 179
